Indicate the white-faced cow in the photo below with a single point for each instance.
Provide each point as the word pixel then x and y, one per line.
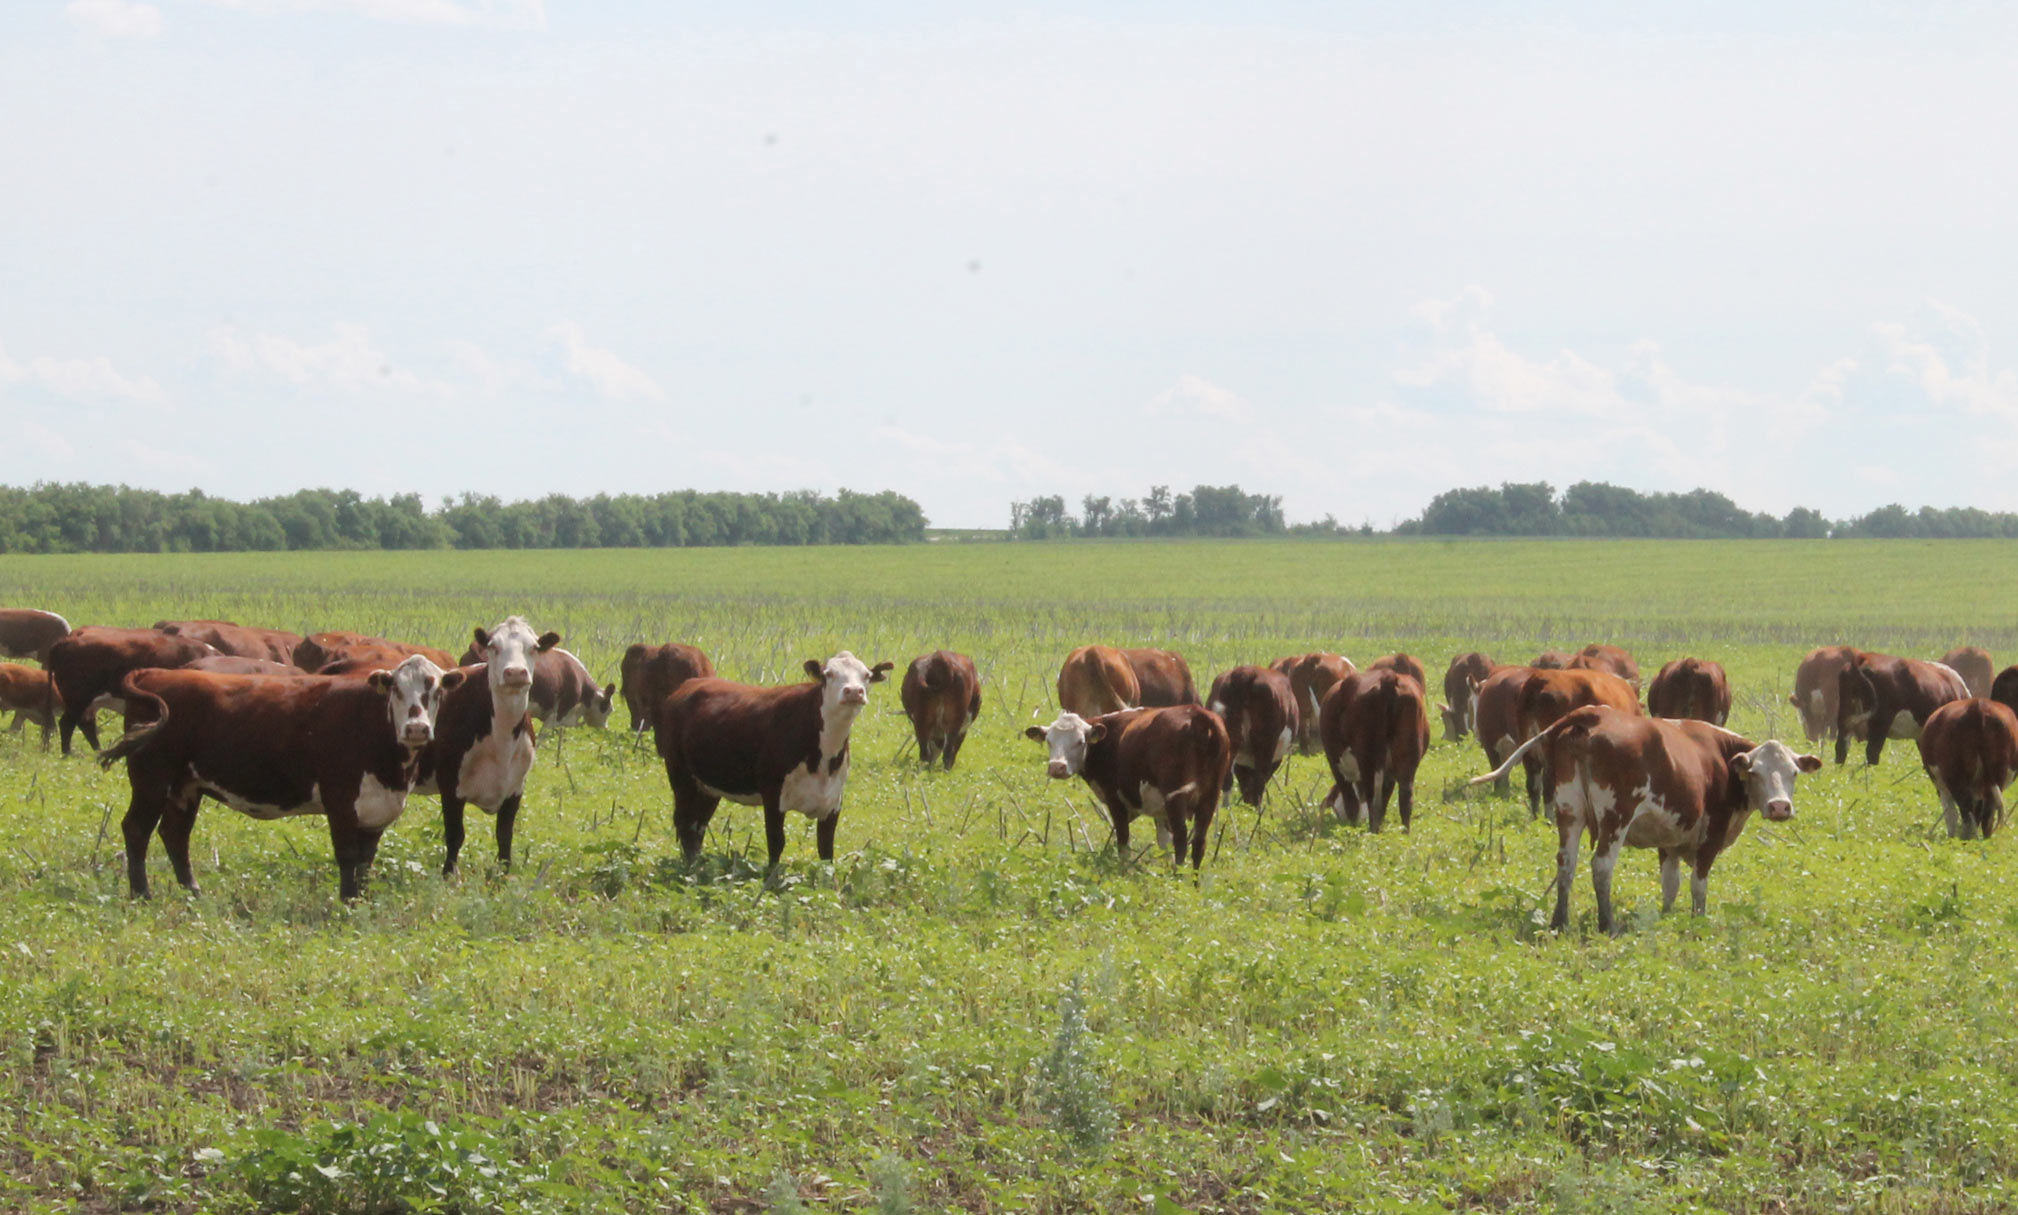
pixel 88 665
pixel 782 748
pixel 271 748
pixel 1258 708
pixel 1691 687
pixel 1685 788
pixel 1375 727
pixel 1817 684
pixel 29 632
pixel 237 640
pixel 31 695
pixel 941 694
pixel 1970 751
pixel 1310 677
pixel 563 692
pixel 1168 763
pixel 1461 682
pixel 1973 664
pixel 651 672
pixel 483 738
pixel 1882 696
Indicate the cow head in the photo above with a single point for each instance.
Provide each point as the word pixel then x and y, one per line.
pixel 510 649
pixel 1767 773
pixel 413 695
pixel 597 705
pixel 846 680
pixel 1453 723
pixel 1068 739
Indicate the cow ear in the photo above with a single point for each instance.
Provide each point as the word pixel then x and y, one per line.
pixel 609 691
pixel 815 668
pixel 380 681
pixel 1808 763
pixel 1034 733
pixel 1741 764
pixel 483 637
pixel 881 671
pixel 450 679
pixel 1096 732
pixel 548 641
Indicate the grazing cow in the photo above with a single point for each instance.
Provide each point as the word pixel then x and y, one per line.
pixel 1691 687
pixel 1496 718
pixel 1405 664
pixel 231 664
pixel 1607 658
pixel 942 697
pixel 1460 694
pixel 347 749
pixel 1376 730
pixel 1817 681
pixel 1551 660
pixel 1099 679
pixel 651 672
pixel 784 748
pixel 1685 788
pixel 564 693
pixel 1970 751
pixel 2004 688
pixel 88 665
pixel 236 640
pixel 1258 708
pixel 1973 664
pixel 32 696
pixel 1168 763
pixel 1887 697
pixel 483 736
pixel 319 650
pixel 1547 697
pixel 28 633
pixel 1310 677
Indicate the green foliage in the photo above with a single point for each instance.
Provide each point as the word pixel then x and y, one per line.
pixel 1070 1089
pixel 1222 511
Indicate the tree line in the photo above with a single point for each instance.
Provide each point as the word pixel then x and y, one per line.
pixel 1591 508
pixel 82 518
pixel 1208 510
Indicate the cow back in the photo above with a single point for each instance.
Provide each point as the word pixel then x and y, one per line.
pixel 1607 658
pixel 1162 678
pixel 939 689
pixel 1096 680
pixel 1406 664
pixel 29 632
pixel 1973 664
pixel 735 738
pixel 650 673
pixel 1690 687
pixel 1548 695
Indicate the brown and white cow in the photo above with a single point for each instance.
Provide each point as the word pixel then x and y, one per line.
pixel 1685 788
pixel 231 664
pixel 1889 697
pixel 1817 683
pixel 1461 681
pixel 89 664
pixel 1258 707
pixel 782 748
pixel 1310 677
pixel 1098 679
pixel 564 693
pixel 1376 729
pixel 319 650
pixel 1406 664
pixel 651 672
pixel 346 749
pixel 237 640
pixel 941 694
pixel 29 632
pixel 1607 658
pixel 1970 751
pixel 483 737
pixel 31 695
pixel 1547 696
pixel 1169 763
pixel 1973 664
pixel 1691 687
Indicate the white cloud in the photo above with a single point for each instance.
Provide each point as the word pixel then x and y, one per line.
pixel 349 361
pixel 115 18
pixel 1007 463
pixel 1948 361
pixel 602 367
pixel 46 445
pixel 93 379
pixel 479 14
pixel 1194 396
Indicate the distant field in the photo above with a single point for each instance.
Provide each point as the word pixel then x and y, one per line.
pixel 1328 1021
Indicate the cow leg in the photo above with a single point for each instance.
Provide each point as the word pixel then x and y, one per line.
pixel 178 819
pixel 1177 829
pixel 774 830
pixel 1380 790
pixel 1604 859
pixel 1951 815
pixel 451 831
pixel 73 717
pixel 16 727
pixel 1699 881
pixel 952 751
pixel 823 834
pixel 1532 769
pixel 1671 877
pixel 1200 824
pixel 143 812
pixel 1874 743
pixel 1120 819
pixel 507 818
pixel 692 811
pixel 1992 809
pixel 1569 837
pixel 355 847
pixel 1407 803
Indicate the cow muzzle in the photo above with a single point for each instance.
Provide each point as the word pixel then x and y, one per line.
pixel 515 678
pixel 1779 810
pixel 854 696
pixel 417 733
pixel 1058 769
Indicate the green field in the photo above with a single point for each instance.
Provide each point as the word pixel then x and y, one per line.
pixel 980 1007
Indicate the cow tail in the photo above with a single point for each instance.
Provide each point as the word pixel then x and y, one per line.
pixel 1207 726
pixel 136 737
pixel 1507 765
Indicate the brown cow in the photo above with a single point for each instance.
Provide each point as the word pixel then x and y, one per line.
pixel 1168 763
pixel 32 696
pixel 1258 708
pixel 272 748
pixel 1973 664
pixel 1460 693
pixel 319 650
pixel 483 737
pixel 784 748
pixel 1376 730
pixel 1552 660
pixel 1496 719
pixel 1547 696
pixel 1691 687
pixel 1816 685
pixel 1097 679
pixel 29 632
pixel 2004 688
pixel 1889 697
pixel 1685 788
pixel 651 672
pixel 1970 751
pixel 88 665
pixel 1310 677
pixel 941 694
pixel 237 640
pixel 231 664
pixel 1609 659
pixel 1405 664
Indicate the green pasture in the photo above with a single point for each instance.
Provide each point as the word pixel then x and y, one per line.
pixel 979 1006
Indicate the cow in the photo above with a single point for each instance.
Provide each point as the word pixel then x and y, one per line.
pixel 1376 729
pixel 1973 664
pixel 1406 664
pixel 564 693
pixel 237 640
pixel 1816 685
pixel 31 695
pixel 941 694
pixel 1970 751
pixel 483 736
pixel 1496 718
pixel 1169 763
pixel 87 666
pixel 1551 660
pixel 1099 679
pixel 1887 697
pixel 651 672
pixel 347 749
pixel 1685 788
pixel 1310 677
pixel 29 632
pixel 1258 708
pixel 1547 696
pixel 231 664
pixel 784 748
pixel 2004 688
pixel 1691 687
pixel 1607 658
pixel 319 650
pixel 1460 693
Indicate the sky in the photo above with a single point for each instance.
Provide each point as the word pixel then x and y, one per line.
pixel 1353 254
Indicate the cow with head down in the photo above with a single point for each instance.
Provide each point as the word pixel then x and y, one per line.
pixel 1970 751
pixel 1461 682
pixel 1310 678
pixel 1169 763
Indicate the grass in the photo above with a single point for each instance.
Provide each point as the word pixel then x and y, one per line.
pixel 979 1006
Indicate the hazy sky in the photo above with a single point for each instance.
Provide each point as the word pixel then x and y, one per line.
pixel 1354 254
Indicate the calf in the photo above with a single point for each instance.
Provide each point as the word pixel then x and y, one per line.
pixel 1970 751
pixel 319 650
pixel 784 748
pixel 1258 708
pixel 236 640
pixel 1684 788
pixel 346 749
pixel 942 696
pixel 483 737
pixel 1973 665
pixel 1460 694
pixel 1169 763
pixel 1607 658
pixel 651 672
pixel 1886 697
pixel 87 667
pixel 1406 664
pixel 1310 677
pixel 1816 687
pixel 31 694
pixel 1691 687
pixel 1547 696
pixel 29 632
pixel 1375 730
